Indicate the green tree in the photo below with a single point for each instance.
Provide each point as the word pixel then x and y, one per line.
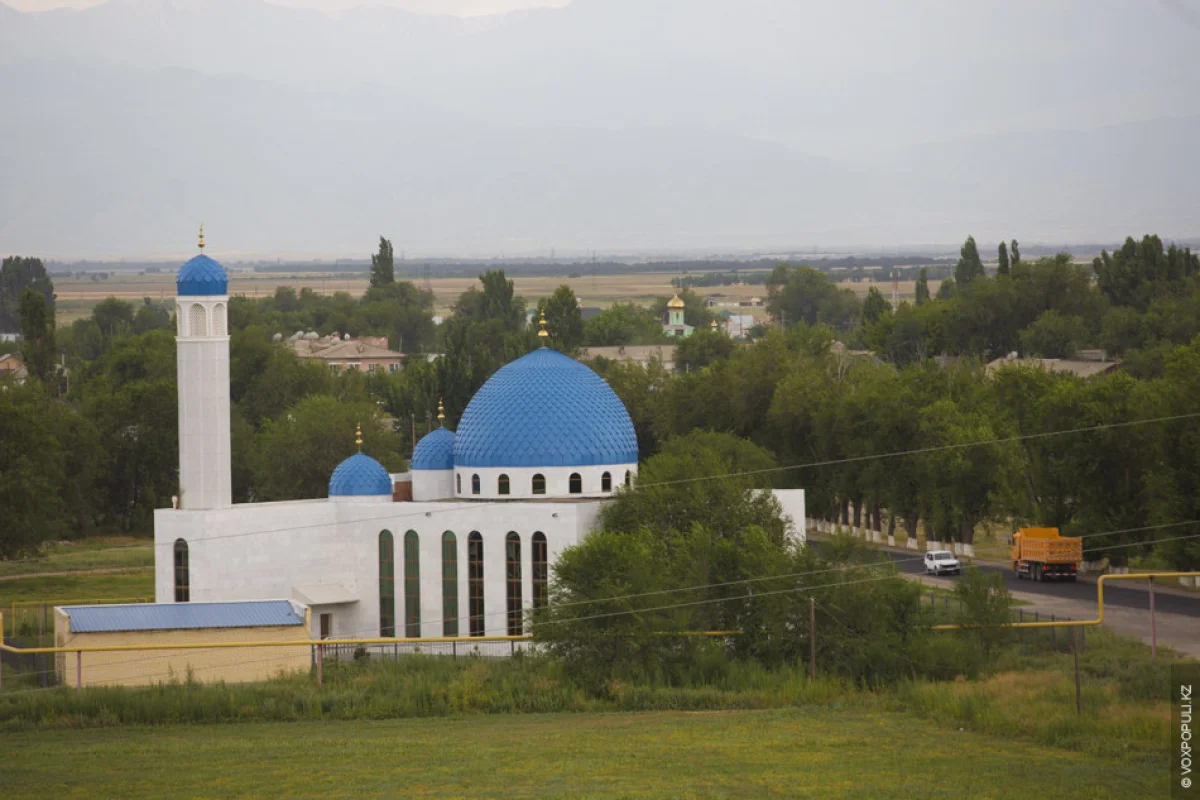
pixel 383 265
pixel 947 289
pixel 1053 335
pixel 802 294
pixel 986 610
pixel 495 301
pixel 114 317
pixel 1014 253
pixel 621 324
pixel 33 477
pixel 922 288
pixel 37 337
pixel 875 307
pixel 1002 268
pixel 969 266
pixel 151 316
pixel 298 452
pixel 701 349
pixel 399 311
pixel 564 319
pixel 18 273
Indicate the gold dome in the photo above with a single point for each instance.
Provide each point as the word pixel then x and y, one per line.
pixel 675 302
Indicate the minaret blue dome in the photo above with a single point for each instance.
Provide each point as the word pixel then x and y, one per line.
pixel 434 451
pixel 201 276
pixel 545 410
pixel 360 476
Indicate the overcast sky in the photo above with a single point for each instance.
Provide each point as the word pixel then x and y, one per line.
pixel 458 7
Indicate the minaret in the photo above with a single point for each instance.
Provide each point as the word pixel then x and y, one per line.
pixel 202 361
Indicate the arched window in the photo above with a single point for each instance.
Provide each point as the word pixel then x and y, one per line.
pixel 606 482
pixel 183 578
pixel 540 570
pixel 458 483
pixel 412 585
pixel 474 484
pixel 628 478
pixel 475 582
pixel 502 484
pixel 576 484
pixel 539 484
pixel 197 324
pixel 449 584
pixel 218 320
pixel 512 577
pixel 387 584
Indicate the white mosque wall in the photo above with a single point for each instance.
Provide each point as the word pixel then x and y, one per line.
pixel 267 550
pixel 792 502
pixel 432 484
pixel 204 455
pixel 520 481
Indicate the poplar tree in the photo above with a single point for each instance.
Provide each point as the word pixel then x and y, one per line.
pixel 969 266
pixel 1003 268
pixel 383 265
pixel 922 288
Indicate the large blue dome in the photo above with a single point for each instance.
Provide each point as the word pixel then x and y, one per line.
pixel 201 276
pixel 545 410
pixel 434 451
pixel 360 476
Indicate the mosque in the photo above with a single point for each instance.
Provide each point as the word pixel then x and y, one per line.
pixel 540 449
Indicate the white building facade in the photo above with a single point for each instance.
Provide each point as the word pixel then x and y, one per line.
pixel 538 451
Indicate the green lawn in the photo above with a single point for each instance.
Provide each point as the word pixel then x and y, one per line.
pixel 796 753
pixel 98 553
pixel 57 589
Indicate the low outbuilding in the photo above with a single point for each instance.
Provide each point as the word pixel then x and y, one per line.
pixel 145 624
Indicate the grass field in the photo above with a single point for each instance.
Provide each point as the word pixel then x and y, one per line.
pixel 77 296
pixel 824 753
pixel 84 554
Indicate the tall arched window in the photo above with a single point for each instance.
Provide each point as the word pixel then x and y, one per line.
pixel 541 571
pixel 539 484
pixel 502 485
pixel 576 483
pixel 197 323
pixel 218 320
pixel 183 578
pixel 412 585
pixel 449 584
pixel 606 482
pixel 387 584
pixel 512 578
pixel 475 583
pixel 628 478
pixel 458 483
pixel 474 484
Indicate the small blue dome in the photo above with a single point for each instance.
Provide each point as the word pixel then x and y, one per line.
pixel 201 276
pixel 360 476
pixel 545 410
pixel 434 451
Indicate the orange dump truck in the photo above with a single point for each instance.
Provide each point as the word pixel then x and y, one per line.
pixel 1042 555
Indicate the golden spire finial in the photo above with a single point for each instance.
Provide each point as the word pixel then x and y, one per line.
pixel 201 245
pixel 441 412
pixel 542 324
pixel 358 436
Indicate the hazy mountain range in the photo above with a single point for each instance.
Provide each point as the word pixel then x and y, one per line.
pixel 608 124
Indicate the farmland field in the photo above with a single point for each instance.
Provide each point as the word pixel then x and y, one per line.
pixel 849 753
pixel 77 296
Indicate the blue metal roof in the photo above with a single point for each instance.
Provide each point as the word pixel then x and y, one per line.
pixel 201 276
pixel 174 616
pixel 434 451
pixel 359 476
pixel 544 410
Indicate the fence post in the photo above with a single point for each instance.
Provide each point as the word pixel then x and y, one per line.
pixel 1078 695
pixel 1153 625
pixel 320 660
pixel 78 669
pixel 454 650
pixel 812 638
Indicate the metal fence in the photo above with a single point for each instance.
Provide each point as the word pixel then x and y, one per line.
pixel 332 649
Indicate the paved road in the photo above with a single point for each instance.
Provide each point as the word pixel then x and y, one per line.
pixel 1114 594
